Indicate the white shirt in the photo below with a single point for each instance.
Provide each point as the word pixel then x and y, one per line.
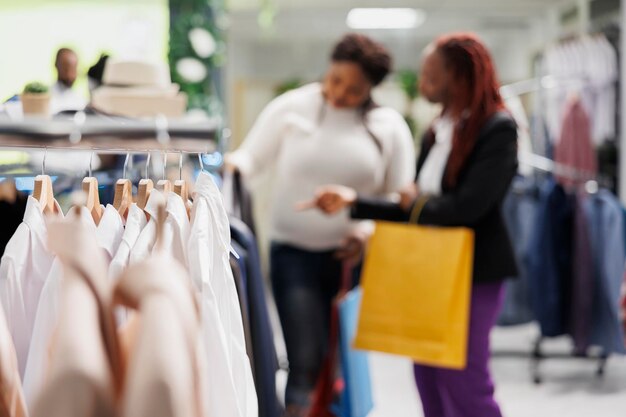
pixel 10 381
pixel 309 151
pixel 230 385
pixel 23 270
pixel 65 98
pixel 80 379
pixel 164 379
pixel 145 242
pixel 108 234
pixel 135 223
pixel 432 171
pixel 176 228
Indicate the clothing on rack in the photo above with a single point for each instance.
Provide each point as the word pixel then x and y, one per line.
pixel 265 360
pixel 181 352
pixel 575 148
pixel 550 262
pixel 575 262
pixel 172 372
pixel 85 370
pixel 12 403
pixel 591 66
pixel 583 273
pixel 232 387
pixel 23 271
pixel 605 226
pixel 108 237
pixel 519 211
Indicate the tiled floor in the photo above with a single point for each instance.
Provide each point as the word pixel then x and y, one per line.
pixel 570 387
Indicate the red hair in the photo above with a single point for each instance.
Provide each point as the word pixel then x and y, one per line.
pixel 476 93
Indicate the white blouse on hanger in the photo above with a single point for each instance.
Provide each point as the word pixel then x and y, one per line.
pixel 165 377
pixel 24 267
pixel 145 242
pixel 109 235
pixel 176 228
pixel 135 222
pixel 230 386
pixel 85 362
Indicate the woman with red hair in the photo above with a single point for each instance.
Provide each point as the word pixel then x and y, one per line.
pixel 467 161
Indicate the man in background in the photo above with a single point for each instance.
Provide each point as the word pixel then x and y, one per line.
pixel 64 97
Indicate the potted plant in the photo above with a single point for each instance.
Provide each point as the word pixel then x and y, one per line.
pixel 36 99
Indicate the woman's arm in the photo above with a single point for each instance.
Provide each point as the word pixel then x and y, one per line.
pixel 484 183
pixel 259 149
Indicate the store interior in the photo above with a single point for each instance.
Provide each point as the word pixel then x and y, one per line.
pixel 230 58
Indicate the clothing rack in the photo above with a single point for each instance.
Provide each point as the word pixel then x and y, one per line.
pixel 536 84
pixel 592 180
pixel 537 354
pixel 112 134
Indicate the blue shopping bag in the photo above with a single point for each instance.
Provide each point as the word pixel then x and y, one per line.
pixel 356 398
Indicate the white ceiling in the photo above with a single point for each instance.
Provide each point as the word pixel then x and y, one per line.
pixel 508 6
pixel 303 31
pixel 325 19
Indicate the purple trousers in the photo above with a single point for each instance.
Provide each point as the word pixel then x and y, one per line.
pixel 466 393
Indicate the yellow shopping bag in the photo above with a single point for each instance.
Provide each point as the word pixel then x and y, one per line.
pixel 416 293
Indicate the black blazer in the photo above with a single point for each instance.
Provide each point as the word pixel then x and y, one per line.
pixel 475 202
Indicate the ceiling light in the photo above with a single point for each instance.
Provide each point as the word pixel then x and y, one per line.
pixel 388 18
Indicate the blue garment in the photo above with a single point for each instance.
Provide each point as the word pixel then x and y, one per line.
pixel 520 211
pixel 583 278
pixel 356 398
pixel 606 230
pixel 265 361
pixel 242 263
pixel 550 260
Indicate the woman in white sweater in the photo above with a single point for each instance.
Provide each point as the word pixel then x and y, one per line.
pixel 329 132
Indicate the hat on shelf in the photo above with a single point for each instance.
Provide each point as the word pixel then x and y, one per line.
pixel 138 89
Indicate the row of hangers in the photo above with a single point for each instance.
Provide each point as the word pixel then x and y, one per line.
pixel 123 196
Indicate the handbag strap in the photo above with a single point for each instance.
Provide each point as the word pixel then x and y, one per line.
pixel 346 277
pixel 417 209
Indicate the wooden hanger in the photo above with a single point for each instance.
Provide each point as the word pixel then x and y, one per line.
pixel 180 186
pixel 143 192
pixel 123 196
pixel 90 187
pixel 165 186
pixel 145 187
pixel 44 193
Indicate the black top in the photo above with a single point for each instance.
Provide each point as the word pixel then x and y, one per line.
pixel 475 202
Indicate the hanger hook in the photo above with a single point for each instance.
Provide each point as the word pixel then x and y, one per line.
pixel 43 162
pixel 126 164
pixel 201 163
pixel 164 163
pixel 148 165
pixel 180 166
pixel 90 162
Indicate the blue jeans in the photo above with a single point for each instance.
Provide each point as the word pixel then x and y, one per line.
pixel 304 285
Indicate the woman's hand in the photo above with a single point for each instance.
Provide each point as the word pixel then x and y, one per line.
pixel 330 199
pixel 408 195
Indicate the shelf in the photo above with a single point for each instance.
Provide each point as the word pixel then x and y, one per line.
pixel 110 134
